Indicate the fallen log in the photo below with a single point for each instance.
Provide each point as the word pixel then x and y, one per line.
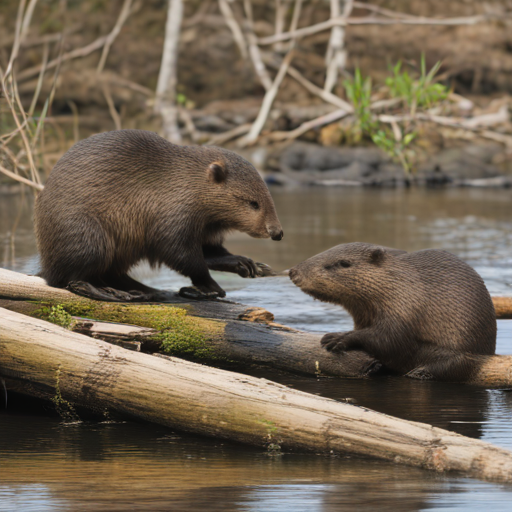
pixel 72 368
pixel 218 332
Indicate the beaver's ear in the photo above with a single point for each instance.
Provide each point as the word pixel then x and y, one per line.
pixel 377 255
pixel 217 172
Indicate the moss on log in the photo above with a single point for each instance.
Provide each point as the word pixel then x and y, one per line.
pixel 217 331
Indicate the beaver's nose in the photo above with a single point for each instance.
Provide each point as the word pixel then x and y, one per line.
pixel 277 235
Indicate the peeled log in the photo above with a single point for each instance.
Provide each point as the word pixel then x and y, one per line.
pixel 207 401
pixel 229 336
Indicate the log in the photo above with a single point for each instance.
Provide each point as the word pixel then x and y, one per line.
pixel 75 369
pixel 220 331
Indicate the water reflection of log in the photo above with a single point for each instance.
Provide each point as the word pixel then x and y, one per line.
pixel 72 368
pixel 122 467
pixel 227 332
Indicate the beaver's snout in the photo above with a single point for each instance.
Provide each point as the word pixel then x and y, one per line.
pixel 277 235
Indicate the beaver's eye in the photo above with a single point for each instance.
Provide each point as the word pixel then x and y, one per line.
pixel 344 263
pixel 254 205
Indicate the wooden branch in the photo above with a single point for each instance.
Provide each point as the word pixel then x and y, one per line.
pixel 227 331
pixel 111 107
pixel 165 104
pixel 20 179
pixel 254 50
pixel 268 100
pixel 310 125
pixel 123 16
pixel 186 396
pixel 327 96
pixel 223 137
pixel 342 21
pixel 233 25
pixel 336 57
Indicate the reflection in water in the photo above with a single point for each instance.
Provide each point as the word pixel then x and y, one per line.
pixel 118 466
pixel 126 466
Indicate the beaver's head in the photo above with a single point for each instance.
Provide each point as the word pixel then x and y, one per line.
pixel 239 197
pixel 347 274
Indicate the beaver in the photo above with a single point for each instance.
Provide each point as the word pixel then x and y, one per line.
pixel 123 196
pixel 424 313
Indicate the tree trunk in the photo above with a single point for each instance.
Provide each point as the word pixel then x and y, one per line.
pixel 75 369
pixel 165 102
pixel 217 331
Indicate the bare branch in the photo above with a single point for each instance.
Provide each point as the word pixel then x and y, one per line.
pixel 21 179
pixel 309 125
pixel 336 56
pixel 233 25
pixel 111 106
pixel 254 50
pixel 341 21
pixel 123 15
pixel 267 102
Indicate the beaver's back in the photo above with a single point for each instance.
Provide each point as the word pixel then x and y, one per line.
pixel 453 304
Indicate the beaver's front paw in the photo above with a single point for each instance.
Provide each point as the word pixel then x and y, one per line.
pixel 335 341
pixel 200 293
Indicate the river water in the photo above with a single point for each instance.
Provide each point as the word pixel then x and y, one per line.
pixel 48 465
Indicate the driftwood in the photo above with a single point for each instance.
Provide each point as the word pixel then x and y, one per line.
pixel 73 369
pixel 220 331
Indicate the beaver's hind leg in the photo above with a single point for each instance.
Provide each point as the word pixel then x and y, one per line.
pixel 447 366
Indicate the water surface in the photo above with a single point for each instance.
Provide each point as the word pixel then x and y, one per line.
pixel 48 465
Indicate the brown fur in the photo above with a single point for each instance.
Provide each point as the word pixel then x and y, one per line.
pixel 119 197
pixel 423 313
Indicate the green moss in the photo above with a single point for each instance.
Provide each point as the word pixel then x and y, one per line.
pixel 180 333
pixel 64 408
pixel 59 316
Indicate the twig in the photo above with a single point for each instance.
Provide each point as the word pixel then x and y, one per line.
pixel 341 21
pixel 27 18
pixel 336 56
pixel 78 52
pixel 39 81
pixel 317 91
pixel 254 50
pixel 123 15
pixel 383 11
pixel 17 40
pixel 221 138
pixel 280 9
pixel 111 106
pixel 233 25
pixel 309 125
pixel 21 179
pixel 267 102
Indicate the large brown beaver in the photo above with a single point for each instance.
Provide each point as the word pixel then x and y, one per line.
pixel 423 313
pixel 119 197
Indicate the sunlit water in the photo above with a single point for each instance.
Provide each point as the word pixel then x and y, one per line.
pixel 47 465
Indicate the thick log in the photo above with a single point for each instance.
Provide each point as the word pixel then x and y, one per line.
pixel 221 331
pixel 503 307
pixel 187 396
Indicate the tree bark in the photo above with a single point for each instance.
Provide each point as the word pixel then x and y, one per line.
pixel 75 369
pixel 218 331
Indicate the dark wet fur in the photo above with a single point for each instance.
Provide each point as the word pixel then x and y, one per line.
pixel 425 314
pixel 120 197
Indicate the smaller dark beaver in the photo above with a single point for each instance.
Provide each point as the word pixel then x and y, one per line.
pixel 424 314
